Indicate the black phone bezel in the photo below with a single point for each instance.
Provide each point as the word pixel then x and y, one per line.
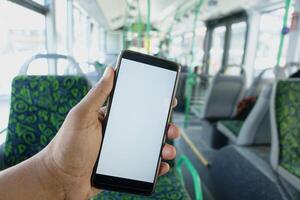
pixel 123 184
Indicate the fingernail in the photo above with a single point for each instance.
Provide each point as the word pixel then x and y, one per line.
pixel 167 152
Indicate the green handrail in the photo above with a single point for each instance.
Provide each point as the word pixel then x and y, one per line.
pixel 148 26
pixel 124 34
pixel 283 33
pixel 125 28
pixel 196 179
pixel 140 26
pixel 194 30
pixel 170 29
pixel 190 81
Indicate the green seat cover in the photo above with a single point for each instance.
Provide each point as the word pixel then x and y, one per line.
pixel 233 125
pixel 287 110
pixel 39 105
pixel 169 186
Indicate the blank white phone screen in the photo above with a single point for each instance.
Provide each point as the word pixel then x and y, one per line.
pixel 137 120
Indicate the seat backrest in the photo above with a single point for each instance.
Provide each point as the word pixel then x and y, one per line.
pixel 223 96
pixel 256 128
pixel 285 123
pixel 260 81
pixel 39 105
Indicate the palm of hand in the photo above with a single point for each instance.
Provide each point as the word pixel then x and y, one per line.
pixel 75 148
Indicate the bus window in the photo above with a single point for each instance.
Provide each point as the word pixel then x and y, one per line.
pixel 199 53
pixel 187 44
pixel 22 34
pixel 81 25
pixel 268 41
pixel 217 49
pixel 61 26
pixel 94 50
pixel 176 49
pixel 237 43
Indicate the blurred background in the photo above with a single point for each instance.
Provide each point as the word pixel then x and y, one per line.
pixel 224 47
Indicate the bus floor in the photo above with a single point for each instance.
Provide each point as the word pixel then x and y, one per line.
pixel 198 136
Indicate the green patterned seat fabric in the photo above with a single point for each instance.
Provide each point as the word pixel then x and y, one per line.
pixel 287 111
pixel 169 186
pixel 233 125
pixel 39 105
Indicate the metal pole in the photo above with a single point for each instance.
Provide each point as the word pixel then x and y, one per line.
pixel 190 81
pixel 177 14
pixel 148 28
pixel 51 35
pixel 194 30
pixel 283 32
pixel 125 28
pixel 88 32
pixel 293 53
pixel 139 25
pixel 70 27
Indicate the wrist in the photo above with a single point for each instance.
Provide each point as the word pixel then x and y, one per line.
pixel 46 176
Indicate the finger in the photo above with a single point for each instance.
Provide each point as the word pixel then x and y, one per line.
pixel 99 93
pixel 101 113
pixel 101 116
pixel 103 110
pixel 174 103
pixel 168 152
pixel 173 132
pixel 163 168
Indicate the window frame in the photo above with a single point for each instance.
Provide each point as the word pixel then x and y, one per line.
pixel 32 5
pixel 265 11
pixel 35 7
pixel 245 41
pixel 227 22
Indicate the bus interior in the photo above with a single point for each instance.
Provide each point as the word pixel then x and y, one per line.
pixel 238 107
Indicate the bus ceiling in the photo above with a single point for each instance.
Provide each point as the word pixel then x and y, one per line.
pixel 163 12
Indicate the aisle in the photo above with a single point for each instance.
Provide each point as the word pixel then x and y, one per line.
pixel 198 135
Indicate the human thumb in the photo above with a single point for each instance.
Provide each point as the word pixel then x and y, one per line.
pixel 99 93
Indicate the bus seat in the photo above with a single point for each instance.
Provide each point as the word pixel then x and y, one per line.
pixel 2 157
pixel 180 93
pixel 255 130
pixel 169 186
pixel 39 105
pixel 285 117
pixel 223 95
pixel 230 128
pixel 260 81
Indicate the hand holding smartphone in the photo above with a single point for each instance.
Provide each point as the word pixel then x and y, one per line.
pixel 135 126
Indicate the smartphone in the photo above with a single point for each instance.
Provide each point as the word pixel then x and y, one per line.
pixel 135 126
